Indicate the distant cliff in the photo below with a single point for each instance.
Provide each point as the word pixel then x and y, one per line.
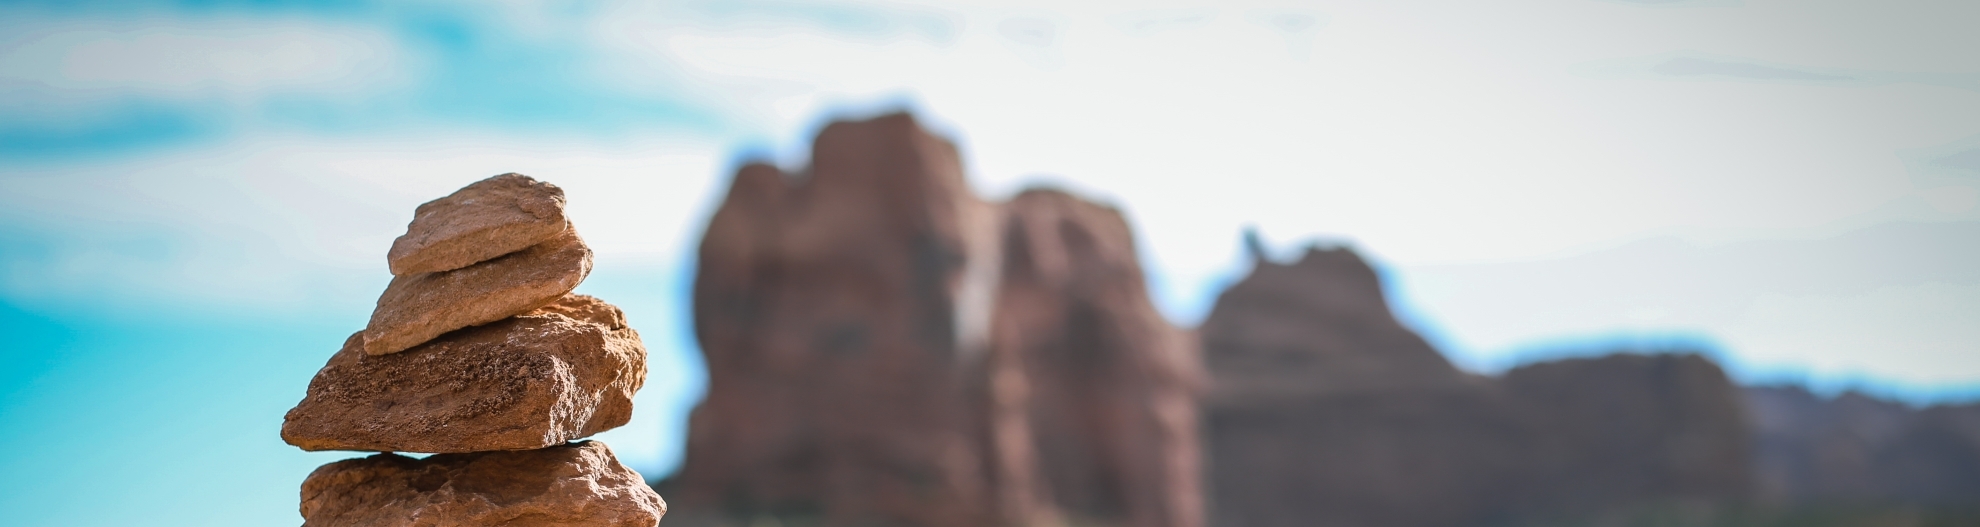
pixel 885 348
pixel 1857 450
pixel 1325 411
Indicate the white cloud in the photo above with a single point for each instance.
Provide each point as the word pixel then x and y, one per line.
pixel 1447 136
pixel 285 222
pixel 1430 135
pixel 1434 138
pixel 229 58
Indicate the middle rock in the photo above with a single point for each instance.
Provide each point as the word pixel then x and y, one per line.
pixel 419 307
pixel 561 372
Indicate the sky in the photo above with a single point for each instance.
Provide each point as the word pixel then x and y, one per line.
pixel 196 197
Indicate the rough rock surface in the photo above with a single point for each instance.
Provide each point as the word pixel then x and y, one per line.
pixel 1326 411
pixel 558 373
pixel 579 484
pixel 1859 450
pixel 486 219
pixel 416 308
pixel 867 364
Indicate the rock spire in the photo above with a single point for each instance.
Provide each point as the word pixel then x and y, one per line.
pixel 886 348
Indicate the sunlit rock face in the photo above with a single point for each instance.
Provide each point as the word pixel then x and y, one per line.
pixel 478 353
pixel 489 218
pixel 1324 410
pixel 1854 449
pixel 419 307
pixel 573 484
pixel 538 379
pixel 884 347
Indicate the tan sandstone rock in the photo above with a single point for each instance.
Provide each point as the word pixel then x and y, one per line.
pixel 575 484
pixel 489 218
pixel 417 308
pixel 561 372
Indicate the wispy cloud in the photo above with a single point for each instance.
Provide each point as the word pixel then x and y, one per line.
pixel 78 84
pixel 1153 21
pixel 857 20
pixel 1677 3
pixel 1693 66
pixel 1947 176
pixel 191 58
pixel 124 126
pixel 1968 160
pixel 1689 65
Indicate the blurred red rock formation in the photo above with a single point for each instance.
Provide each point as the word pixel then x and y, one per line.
pixel 1326 411
pixel 1090 384
pixel 884 347
pixel 1858 450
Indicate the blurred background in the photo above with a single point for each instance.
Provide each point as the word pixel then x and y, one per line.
pixel 196 197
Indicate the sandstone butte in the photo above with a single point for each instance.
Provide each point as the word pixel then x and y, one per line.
pixel 576 484
pixel 884 347
pixel 416 308
pixel 560 372
pixel 486 219
pixel 1326 411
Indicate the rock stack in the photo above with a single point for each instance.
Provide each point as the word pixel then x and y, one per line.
pixel 479 352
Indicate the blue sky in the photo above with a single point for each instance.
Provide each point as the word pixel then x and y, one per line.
pixel 195 197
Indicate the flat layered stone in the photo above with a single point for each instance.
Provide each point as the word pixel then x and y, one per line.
pixel 558 373
pixel 416 308
pixel 486 219
pixel 568 485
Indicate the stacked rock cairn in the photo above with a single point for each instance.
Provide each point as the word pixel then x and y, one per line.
pixel 478 352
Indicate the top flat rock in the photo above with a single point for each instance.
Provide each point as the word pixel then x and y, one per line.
pixel 489 218
pixel 416 308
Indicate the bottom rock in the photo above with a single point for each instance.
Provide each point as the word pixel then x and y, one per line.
pixel 575 484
